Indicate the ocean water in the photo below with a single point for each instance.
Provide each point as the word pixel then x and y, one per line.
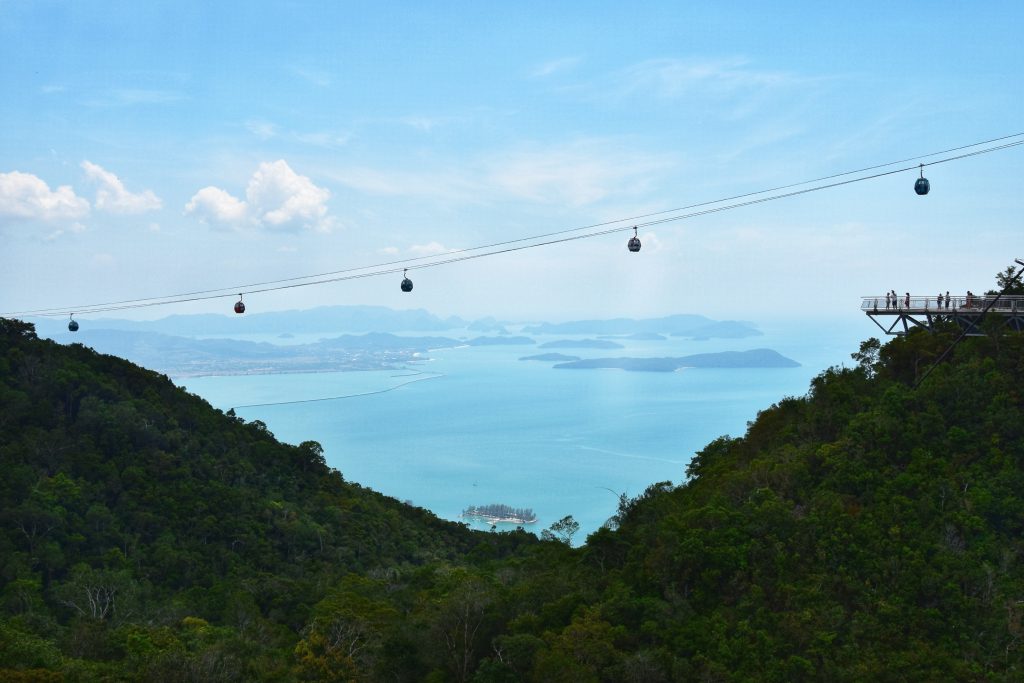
pixel 475 425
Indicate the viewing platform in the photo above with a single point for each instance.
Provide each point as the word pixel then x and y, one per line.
pixel 925 312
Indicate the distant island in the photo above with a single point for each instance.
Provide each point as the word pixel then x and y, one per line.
pixel 497 512
pixel 330 320
pixel 756 358
pixel 726 329
pixel 501 341
pixel 582 344
pixel 488 324
pixel 319 320
pixel 551 356
pixel 210 344
pixel 636 336
pixel 187 357
pixel 682 325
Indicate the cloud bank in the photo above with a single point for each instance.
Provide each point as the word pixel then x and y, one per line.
pixel 27 197
pixel 112 196
pixel 277 198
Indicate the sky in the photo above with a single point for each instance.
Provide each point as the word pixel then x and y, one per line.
pixel 150 149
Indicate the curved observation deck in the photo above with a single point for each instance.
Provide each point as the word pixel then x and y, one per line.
pixel 926 311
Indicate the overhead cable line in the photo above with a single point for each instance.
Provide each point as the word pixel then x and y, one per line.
pixel 493 249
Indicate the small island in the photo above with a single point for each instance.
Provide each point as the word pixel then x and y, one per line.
pixel 582 344
pixel 551 357
pixel 636 336
pixel 497 512
pixel 756 358
pixel 500 341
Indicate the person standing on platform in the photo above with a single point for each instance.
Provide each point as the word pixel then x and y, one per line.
pixel 947 298
pixel 887 301
pixel 939 300
pixel 906 301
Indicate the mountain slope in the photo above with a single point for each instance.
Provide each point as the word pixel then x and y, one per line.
pixel 126 500
pixel 865 531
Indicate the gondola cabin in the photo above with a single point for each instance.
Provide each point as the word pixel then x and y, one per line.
pixel 922 186
pixel 634 242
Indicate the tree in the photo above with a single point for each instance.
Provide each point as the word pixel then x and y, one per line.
pixel 99 594
pixel 311 454
pixel 1007 280
pixel 867 356
pixel 562 531
pixel 460 622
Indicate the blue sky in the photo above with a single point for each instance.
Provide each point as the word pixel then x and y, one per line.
pixel 155 148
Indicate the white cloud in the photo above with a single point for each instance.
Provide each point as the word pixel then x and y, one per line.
pixel 580 173
pixel 554 66
pixel 430 249
pixel 103 260
pixel 212 204
pixel 388 251
pixel 577 174
pixel 435 184
pixel 284 199
pixel 127 97
pixel 264 130
pixel 278 198
pixel 674 77
pixel 422 123
pixel 317 77
pixel 25 196
pixel 322 139
pixel 75 227
pixel 112 196
pixel 650 242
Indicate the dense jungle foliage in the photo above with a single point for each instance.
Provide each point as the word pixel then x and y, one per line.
pixel 868 531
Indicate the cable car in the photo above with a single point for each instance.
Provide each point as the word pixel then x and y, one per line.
pixel 406 282
pixel 634 242
pixel 239 306
pixel 922 185
pixel 73 324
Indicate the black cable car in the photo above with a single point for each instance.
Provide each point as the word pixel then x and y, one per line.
pixel 922 185
pixel 634 242
pixel 406 282
pixel 239 306
pixel 73 324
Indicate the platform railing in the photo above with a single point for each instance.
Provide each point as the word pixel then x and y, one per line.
pixel 930 304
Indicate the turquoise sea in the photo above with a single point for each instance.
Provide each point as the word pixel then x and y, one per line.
pixel 480 426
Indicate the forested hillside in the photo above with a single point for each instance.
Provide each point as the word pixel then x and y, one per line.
pixel 145 535
pixel 867 531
